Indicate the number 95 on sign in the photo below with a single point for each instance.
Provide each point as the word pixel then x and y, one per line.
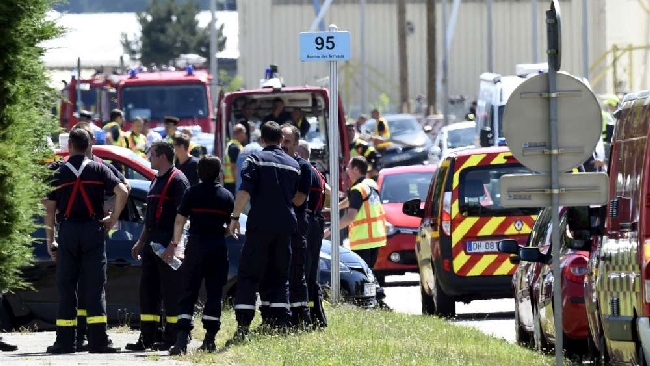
pixel 325 46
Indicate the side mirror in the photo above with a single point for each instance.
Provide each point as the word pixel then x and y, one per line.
pixel 509 246
pixel 532 254
pixel 515 259
pixel 428 129
pixel 412 208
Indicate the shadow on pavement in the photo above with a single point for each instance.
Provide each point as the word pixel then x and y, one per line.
pixel 503 315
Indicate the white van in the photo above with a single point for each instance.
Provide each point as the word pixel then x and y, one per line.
pixel 494 91
pixel 456 136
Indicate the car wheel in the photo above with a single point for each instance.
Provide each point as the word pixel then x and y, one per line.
pixel 6 316
pixel 381 280
pixel 522 337
pixel 541 344
pixel 445 304
pixel 428 306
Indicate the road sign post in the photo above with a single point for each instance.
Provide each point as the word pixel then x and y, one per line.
pixel 332 46
pixel 552 125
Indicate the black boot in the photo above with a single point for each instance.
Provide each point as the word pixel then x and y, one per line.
pixel 104 349
pixel 181 343
pixel 6 347
pixel 241 335
pixel 208 343
pixel 59 348
pixel 139 345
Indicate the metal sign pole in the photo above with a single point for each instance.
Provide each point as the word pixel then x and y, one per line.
pixel 553 49
pixel 335 235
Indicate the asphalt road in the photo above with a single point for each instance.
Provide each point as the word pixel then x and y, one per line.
pixel 493 317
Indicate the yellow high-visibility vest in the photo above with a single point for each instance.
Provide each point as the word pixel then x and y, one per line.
pixel 229 166
pixel 385 134
pixel 368 230
pixel 133 141
pixel 121 140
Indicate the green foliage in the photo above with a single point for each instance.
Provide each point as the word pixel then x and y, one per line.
pixel 382 104
pixel 230 83
pixel 168 30
pixel 25 121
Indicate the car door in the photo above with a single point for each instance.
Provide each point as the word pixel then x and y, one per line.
pixel 123 272
pixel 528 271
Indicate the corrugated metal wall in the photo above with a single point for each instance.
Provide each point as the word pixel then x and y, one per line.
pixel 269 34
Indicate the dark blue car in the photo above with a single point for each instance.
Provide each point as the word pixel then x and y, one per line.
pixel 38 306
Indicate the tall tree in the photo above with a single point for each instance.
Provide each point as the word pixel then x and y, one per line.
pixel 25 121
pixel 168 30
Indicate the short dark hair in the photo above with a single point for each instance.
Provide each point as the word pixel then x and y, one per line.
pixel 86 127
pixel 294 129
pixel 79 139
pixel 116 113
pixel 181 139
pixel 271 132
pixel 360 163
pixel 209 168
pixel 163 148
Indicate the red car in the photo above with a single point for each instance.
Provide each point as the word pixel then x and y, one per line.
pixel 396 186
pixel 132 165
pixel 533 282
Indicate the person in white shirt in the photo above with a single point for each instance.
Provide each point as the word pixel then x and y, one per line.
pixel 152 136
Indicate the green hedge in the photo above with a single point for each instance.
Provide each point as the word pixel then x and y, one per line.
pixel 25 121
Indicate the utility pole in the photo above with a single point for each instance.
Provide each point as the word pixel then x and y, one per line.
pixel 403 66
pixel 445 69
pixel 490 50
pixel 362 49
pixel 214 68
pixel 432 69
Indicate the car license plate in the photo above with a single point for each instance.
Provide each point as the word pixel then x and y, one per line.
pixel 490 246
pixel 369 289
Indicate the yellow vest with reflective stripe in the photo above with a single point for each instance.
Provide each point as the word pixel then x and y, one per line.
pixel 121 140
pixel 134 141
pixel 368 230
pixel 229 165
pixel 385 134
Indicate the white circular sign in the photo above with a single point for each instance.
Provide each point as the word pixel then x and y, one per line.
pixel 526 124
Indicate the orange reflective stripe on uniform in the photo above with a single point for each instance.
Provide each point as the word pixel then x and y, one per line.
pixel 66 322
pixel 149 318
pixel 99 319
pixel 229 166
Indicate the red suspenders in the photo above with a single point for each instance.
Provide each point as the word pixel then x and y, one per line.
pixel 77 187
pixel 163 195
pixel 321 189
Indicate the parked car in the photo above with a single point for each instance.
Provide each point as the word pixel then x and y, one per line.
pixel 462 223
pixel 410 143
pixel 533 282
pixel 453 137
pixel 396 186
pixel 122 288
pixel 132 165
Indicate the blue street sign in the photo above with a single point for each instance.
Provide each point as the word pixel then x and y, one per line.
pixel 325 46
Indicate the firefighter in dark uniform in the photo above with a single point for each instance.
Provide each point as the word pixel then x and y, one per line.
pixel 269 180
pixel 298 298
pixel 316 222
pixel 81 300
pixel 158 280
pixel 208 206
pixel 77 201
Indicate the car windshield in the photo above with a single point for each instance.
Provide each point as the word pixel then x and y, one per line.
pixel 399 188
pixel 460 138
pixel 157 101
pixel 480 191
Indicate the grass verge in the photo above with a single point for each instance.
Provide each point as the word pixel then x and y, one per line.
pixel 361 337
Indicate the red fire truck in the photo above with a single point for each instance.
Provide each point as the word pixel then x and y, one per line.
pixel 312 100
pixel 147 94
